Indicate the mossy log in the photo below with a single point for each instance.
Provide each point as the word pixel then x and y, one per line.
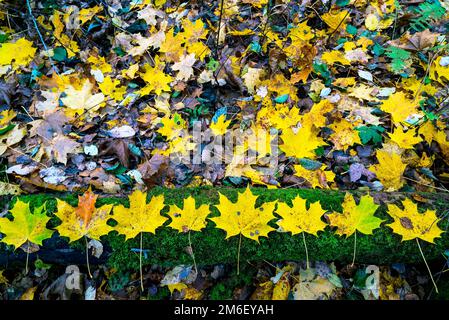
pixel 169 247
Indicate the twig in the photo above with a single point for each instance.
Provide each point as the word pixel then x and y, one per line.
pixel 30 11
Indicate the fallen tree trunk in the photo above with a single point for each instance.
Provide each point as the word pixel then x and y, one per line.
pixel 169 248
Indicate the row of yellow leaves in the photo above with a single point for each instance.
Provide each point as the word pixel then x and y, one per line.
pixel 237 218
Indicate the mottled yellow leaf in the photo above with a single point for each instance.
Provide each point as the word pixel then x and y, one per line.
pixel 189 217
pixel 298 218
pixel 411 224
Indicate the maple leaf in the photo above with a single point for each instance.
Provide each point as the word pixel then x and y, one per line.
pixel 252 78
pixel 184 67
pixel 220 126
pixel 80 100
pixel 317 178
pixel 157 81
pixel 404 139
pixel 302 144
pixel 140 216
pixel 438 72
pixel 172 126
pixel 335 56
pixel 399 106
pixel 112 89
pixel 411 224
pixel 298 218
pixel 26 226
pixel 389 170
pixel 344 135
pixel 243 218
pixel 19 53
pixel 11 137
pixel 189 217
pixel 336 19
pixel 64 39
pixel 60 146
pixel 83 220
pixel 356 217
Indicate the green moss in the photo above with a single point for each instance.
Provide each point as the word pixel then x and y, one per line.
pixel 168 247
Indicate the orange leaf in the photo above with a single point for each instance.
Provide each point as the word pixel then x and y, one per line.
pixel 86 206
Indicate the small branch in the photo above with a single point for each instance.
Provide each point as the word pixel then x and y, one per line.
pixel 30 11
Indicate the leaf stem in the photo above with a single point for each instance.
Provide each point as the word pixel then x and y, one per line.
pixel 193 255
pixel 140 261
pixel 238 254
pixel 307 252
pixel 26 263
pixel 355 249
pixel 87 258
pixel 428 268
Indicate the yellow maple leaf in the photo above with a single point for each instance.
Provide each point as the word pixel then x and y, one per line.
pixel 344 135
pixel 356 217
pixel 316 116
pixel 172 46
pixel 220 126
pixel 19 53
pixel 157 81
pixel 302 144
pixel 189 217
pixel 317 178
pixel 389 170
pixel 301 32
pixel 243 218
pixel 411 224
pixel 87 14
pixel 83 220
pixel 26 226
pixel 404 139
pixel 62 37
pixel 298 218
pixel 112 89
pixel 140 216
pixel 99 63
pixel 399 106
pixel 194 30
pixel 336 19
pixel 438 72
pixel 335 56
pixel 172 126
pixel 79 100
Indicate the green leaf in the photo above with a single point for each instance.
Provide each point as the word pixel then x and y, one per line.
pixel 372 133
pixel 281 99
pixel 310 164
pixel 399 58
pixel 342 3
pixel 6 129
pixel 59 54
